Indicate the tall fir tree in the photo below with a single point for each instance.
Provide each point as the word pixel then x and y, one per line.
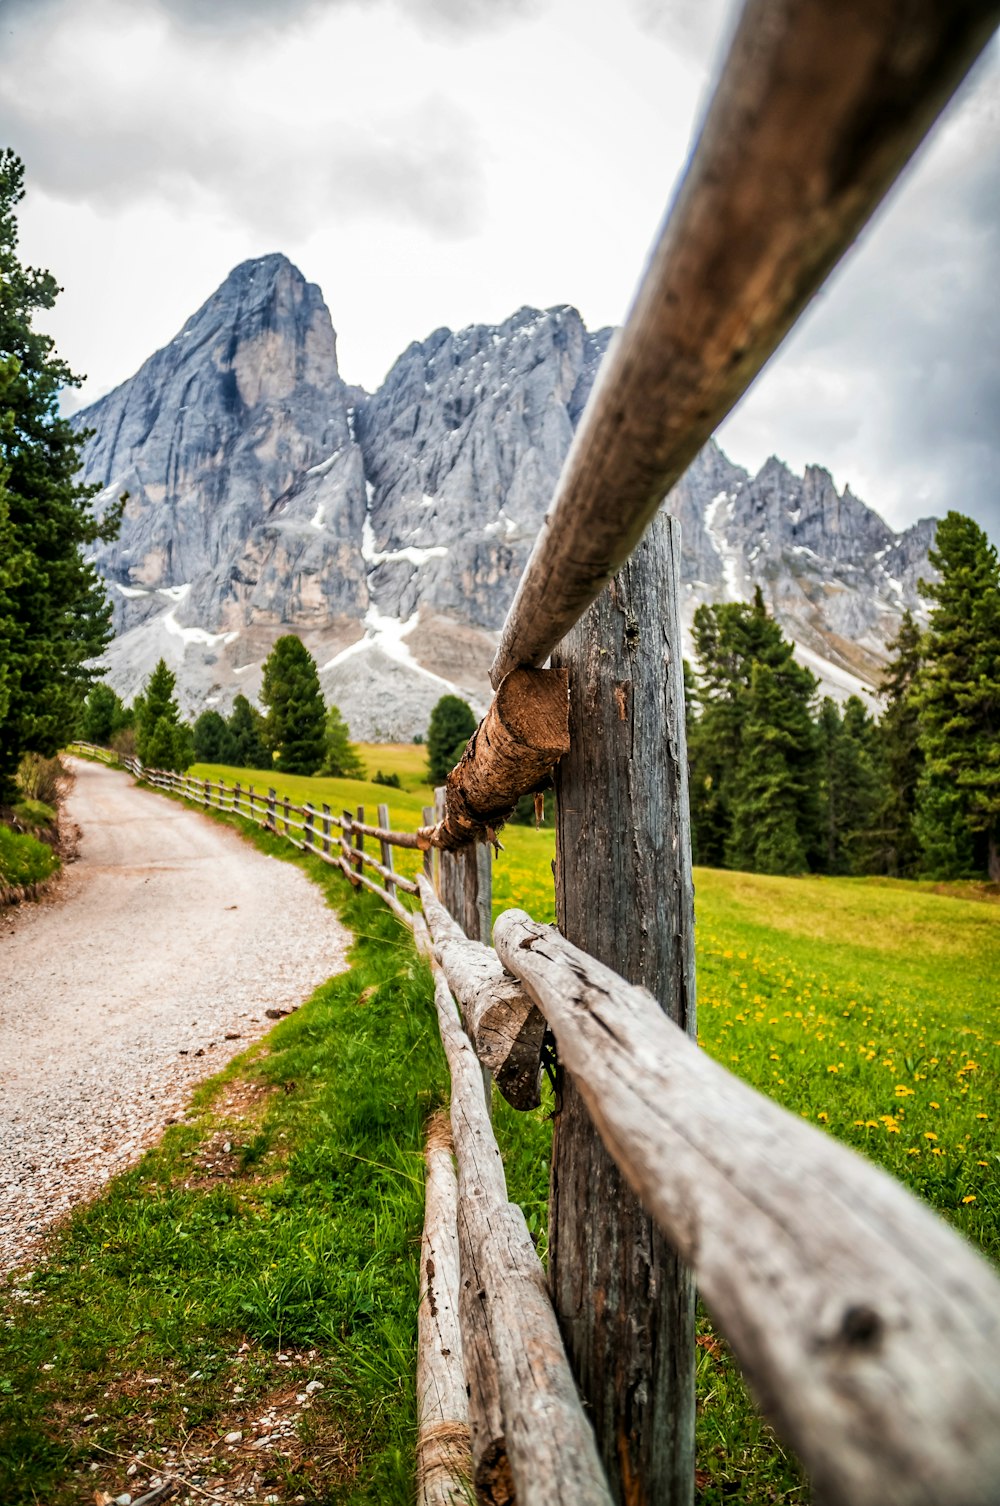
pixel 162 742
pixel 246 736
pixel 54 615
pixel 452 723
pixel 295 726
pixel 901 754
pixel 850 788
pixel 775 816
pixel 958 700
pixel 212 742
pixel 731 641
pixel 340 759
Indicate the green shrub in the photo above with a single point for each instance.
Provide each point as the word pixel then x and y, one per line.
pixel 35 815
pixel 41 778
pixel 24 860
pixel 391 781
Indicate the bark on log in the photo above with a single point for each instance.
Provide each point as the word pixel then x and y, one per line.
pixel 444 1454
pixel 511 753
pixel 503 1022
pixel 625 1303
pixel 548 1439
pixel 818 110
pixel 868 1329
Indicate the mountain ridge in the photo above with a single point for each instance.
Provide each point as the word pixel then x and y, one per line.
pixel 389 529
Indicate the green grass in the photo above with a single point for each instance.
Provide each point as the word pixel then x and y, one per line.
pixel 304 1244
pixel 23 859
pixel 865 1006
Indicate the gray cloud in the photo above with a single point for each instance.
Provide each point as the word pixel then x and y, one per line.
pixel 169 136
pixel 895 373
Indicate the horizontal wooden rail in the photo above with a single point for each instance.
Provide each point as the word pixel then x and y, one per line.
pixel 818 109
pixel 549 1442
pixel 444 1452
pixel 503 1021
pixel 868 1329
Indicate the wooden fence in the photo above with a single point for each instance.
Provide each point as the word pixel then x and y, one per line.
pixel 869 1330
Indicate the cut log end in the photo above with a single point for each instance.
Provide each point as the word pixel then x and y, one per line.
pixel 512 753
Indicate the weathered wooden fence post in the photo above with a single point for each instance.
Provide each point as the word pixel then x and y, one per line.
pixel 465 883
pixel 286 803
pixel 326 828
pixel 359 842
pixel 624 893
pixel 236 797
pixel 346 847
pixel 309 819
pixel 428 813
pixel 272 810
pixel 386 849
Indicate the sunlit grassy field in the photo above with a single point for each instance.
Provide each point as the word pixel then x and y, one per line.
pixel 866 1006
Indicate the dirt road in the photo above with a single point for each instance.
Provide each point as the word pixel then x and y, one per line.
pixel 168 934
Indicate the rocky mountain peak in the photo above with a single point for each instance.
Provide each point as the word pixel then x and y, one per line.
pixel 389 529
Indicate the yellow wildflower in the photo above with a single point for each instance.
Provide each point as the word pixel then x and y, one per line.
pixel 929 1135
pixel 970 1199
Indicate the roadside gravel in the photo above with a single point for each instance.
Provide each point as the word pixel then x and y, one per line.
pixel 150 967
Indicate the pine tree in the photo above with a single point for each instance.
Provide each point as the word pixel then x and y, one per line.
pixel 212 742
pixel 340 759
pixel 162 742
pixel 246 737
pixel 850 790
pixel 452 724
pixel 54 616
pixel 901 753
pixel 958 699
pixel 773 798
pixel 731 641
pixel 295 727
pixel 103 715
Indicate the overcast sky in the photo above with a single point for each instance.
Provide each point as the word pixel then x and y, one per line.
pixel 443 162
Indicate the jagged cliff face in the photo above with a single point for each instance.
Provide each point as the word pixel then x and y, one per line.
pixel 389 530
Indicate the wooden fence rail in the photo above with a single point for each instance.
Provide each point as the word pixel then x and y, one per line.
pixel 867 1328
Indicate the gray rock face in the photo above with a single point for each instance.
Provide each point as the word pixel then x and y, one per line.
pixel 389 530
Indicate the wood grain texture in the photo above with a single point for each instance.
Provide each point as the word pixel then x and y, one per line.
pixel 869 1330
pixel 503 1022
pixel 818 109
pixel 444 1453
pixel 511 753
pixel 623 890
pixel 385 848
pixel 548 1440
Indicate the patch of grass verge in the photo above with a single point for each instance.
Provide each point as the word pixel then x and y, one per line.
pixel 268 1242
pixel 23 859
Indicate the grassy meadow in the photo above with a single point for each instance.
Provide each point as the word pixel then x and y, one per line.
pixel 866 1006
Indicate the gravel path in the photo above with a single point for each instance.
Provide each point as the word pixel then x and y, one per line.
pixel 168 935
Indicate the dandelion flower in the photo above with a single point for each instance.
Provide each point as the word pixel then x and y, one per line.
pixel 929 1135
pixel 970 1199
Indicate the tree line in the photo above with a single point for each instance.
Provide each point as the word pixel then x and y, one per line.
pixel 783 783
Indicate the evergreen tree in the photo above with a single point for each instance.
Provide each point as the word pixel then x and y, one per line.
pixel 54 616
pixel 901 753
pixel 103 715
pixel 850 788
pixel 212 742
pixel 340 759
pixel 731 641
pixel 161 740
pixel 958 699
pixel 773 795
pixel 246 737
pixel 452 724
pixel 295 727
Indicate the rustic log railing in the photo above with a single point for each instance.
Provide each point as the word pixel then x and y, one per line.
pixel 868 1329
